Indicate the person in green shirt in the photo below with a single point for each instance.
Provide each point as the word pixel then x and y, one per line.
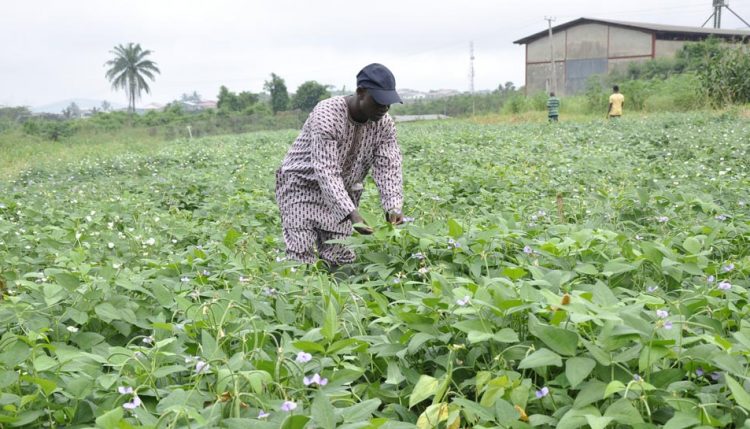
pixel 553 107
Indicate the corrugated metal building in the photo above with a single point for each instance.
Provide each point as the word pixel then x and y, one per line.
pixel 589 46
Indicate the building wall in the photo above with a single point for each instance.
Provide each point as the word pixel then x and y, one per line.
pixel 624 42
pixel 668 48
pixel 538 77
pixel 621 64
pixel 585 50
pixel 538 50
pixel 586 41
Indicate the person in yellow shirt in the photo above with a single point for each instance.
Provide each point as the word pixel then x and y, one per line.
pixel 616 101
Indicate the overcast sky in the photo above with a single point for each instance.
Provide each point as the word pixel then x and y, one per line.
pixel 55 50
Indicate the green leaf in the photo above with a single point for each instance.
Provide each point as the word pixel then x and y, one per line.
pixel 107 312
pixel 454 229
pixel 577 369
pixel 425 387
pixel 597 422
pixel 514 273
pixel 232 237
pixel 309 346
pixel 692 245
pixel 361 411
pixel 472 407
pixel 322 412
pixel 741 397
pixel 560 340
pixel 110 420
pixel 624 412
pixel 395 376
pixel 330 324
pixel 613 387
pixel 295 422
pixel 540 358
pixel 612 268
pixel 682 420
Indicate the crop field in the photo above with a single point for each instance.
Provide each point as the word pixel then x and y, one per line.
pixel 586 274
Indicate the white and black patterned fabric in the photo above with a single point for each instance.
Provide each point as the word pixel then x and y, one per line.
pixel 321 178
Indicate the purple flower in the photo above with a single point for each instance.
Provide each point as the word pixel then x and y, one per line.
pixel 699 372
pixel 710 279
pixel 315 379
pixel 667 325
pixel 724 285
pixel 636 377
pixel 652 289
pixel 125 390
pixel 201 366
pixel 662 219
pixel 715 376
pixel 132 404
pixel 728 267
pixel 528 250
pixel 288 406
pixel 303 357
pixel 418 255
pixel 541 393
pixel 662 314
pixel 262 414
pixel 463 301
pixel 721 217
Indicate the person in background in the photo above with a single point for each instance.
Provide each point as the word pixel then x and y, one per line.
pixel 553 107
pixel 321 179
pixel 616 101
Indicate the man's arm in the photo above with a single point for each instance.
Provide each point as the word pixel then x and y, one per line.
pixel 386 171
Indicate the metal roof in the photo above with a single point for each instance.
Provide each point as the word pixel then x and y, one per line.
pixel 662 31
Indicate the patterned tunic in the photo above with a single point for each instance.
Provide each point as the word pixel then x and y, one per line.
pixel 321 178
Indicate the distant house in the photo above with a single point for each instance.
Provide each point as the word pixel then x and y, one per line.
pixel 150 107
pixel 442 93
pixel 588 46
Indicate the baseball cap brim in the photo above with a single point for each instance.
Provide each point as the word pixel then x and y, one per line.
pixel 386 97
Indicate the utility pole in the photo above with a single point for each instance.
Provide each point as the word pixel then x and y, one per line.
pixel 553 85
pixel 471 77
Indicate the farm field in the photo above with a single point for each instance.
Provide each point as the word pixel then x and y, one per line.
pixel 582 274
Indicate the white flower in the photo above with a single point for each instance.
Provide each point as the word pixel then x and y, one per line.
pixel 151 241
pixel 288 406
pixel 123 390
pixel 201 366
pixel 315 379
pixel 303 357
pixel 72 329
pixel 111 245
pixel 132 404
pixel 463 301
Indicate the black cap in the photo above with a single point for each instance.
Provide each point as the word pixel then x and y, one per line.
pixel 380 83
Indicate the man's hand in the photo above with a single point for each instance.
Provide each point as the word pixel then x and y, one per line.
pixel 359 223
pixel 394 217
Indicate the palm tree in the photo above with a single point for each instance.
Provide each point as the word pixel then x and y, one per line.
pixel 128 70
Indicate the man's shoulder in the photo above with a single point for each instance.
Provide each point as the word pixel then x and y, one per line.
pixel 333 105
